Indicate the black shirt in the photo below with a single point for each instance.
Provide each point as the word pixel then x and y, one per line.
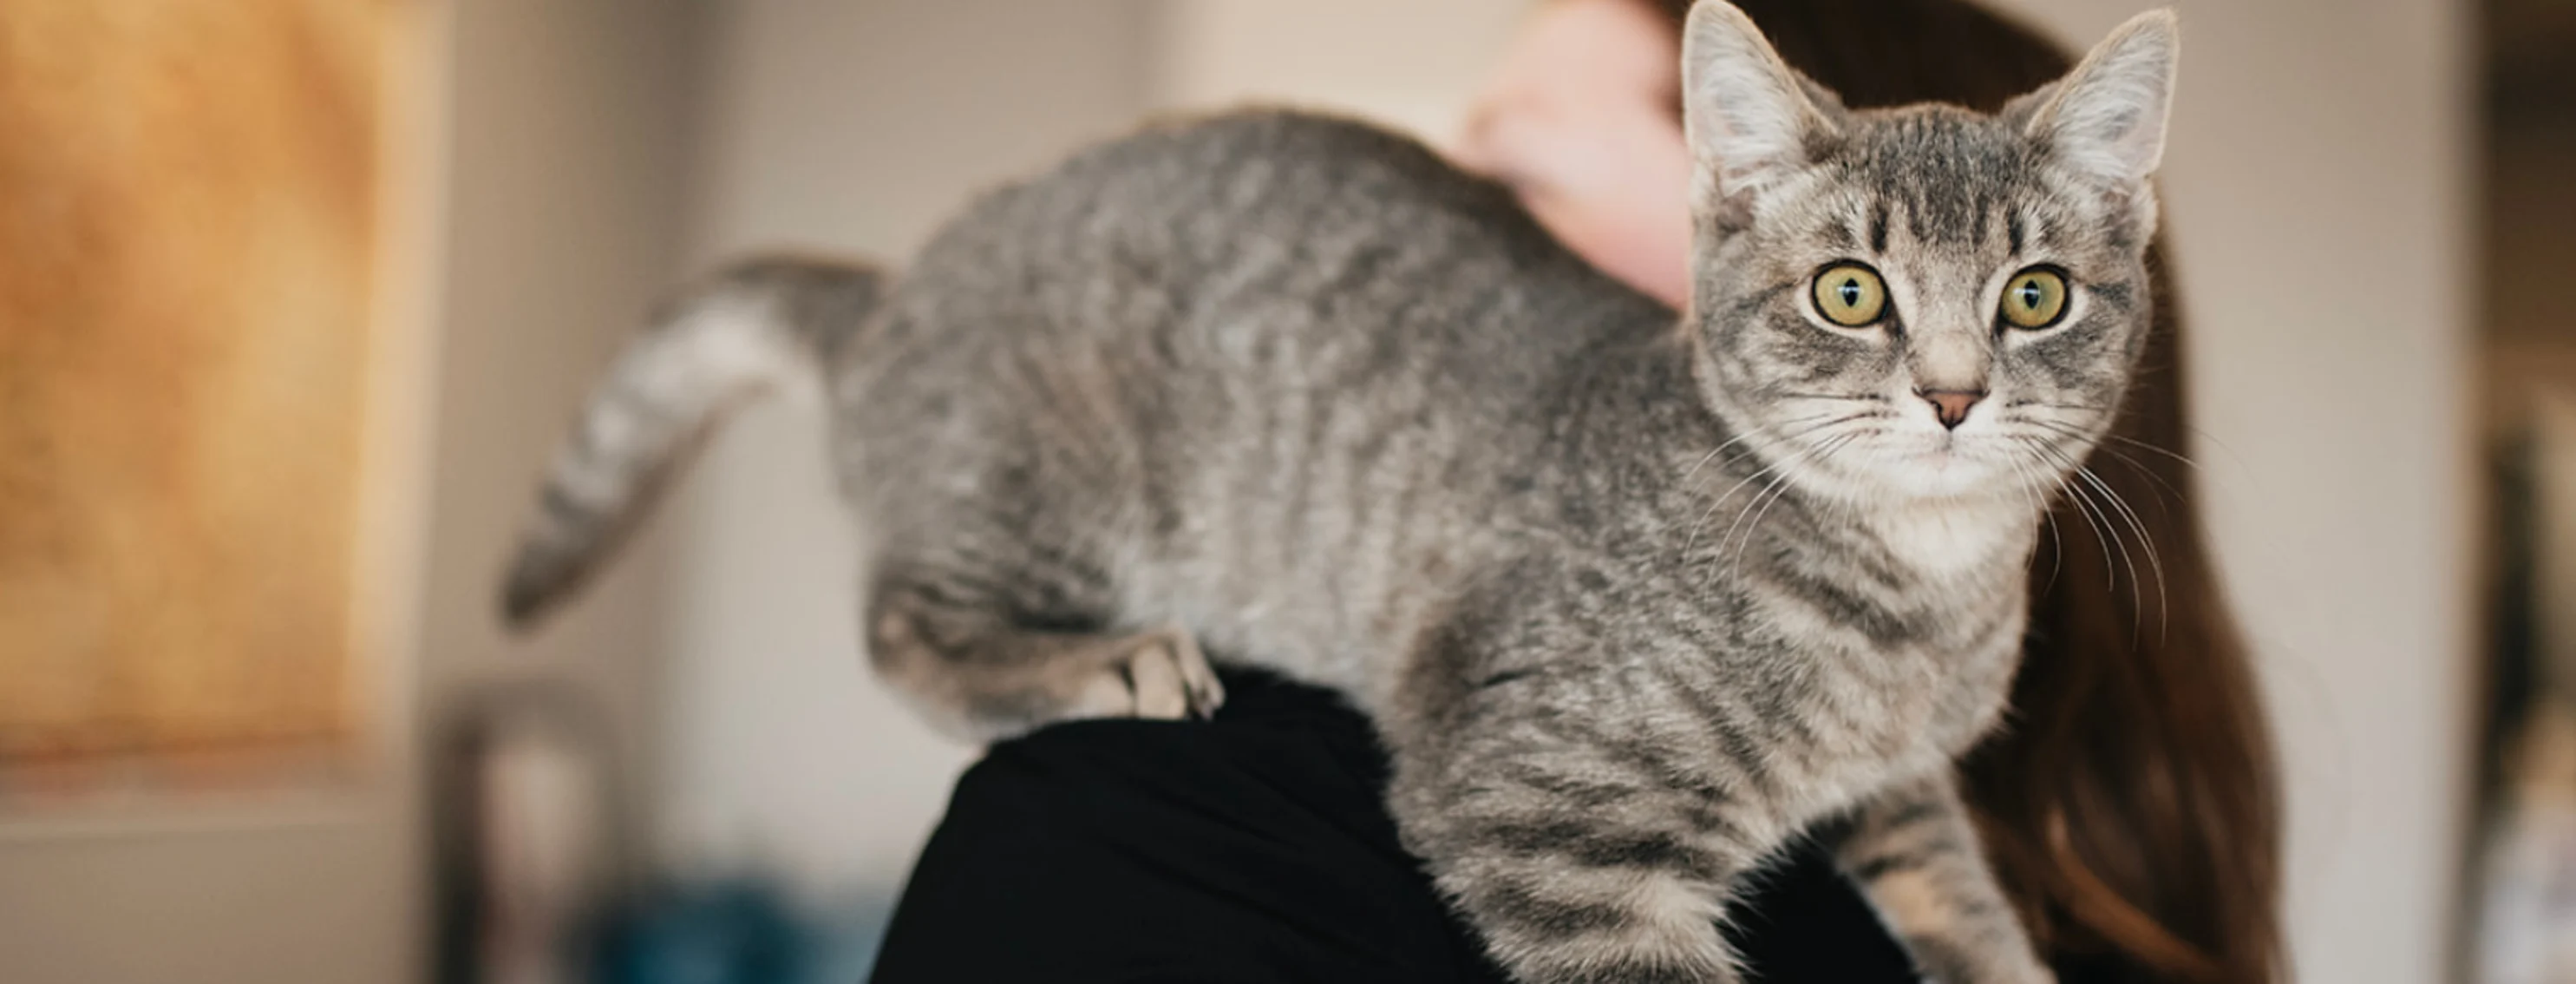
pixel 1248 850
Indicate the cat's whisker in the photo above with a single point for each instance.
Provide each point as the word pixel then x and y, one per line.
pixel 2071 431
pixel 1761 430
pixel 2214 442
pixel 1833 397
pixel 1688 543
pixel 1714 505
pixel 2141 468
pixel 2167 452
pixel 2086 486
pixel 2032 492
pixel 1761 503
pixel 1822 452
pixel 2084 507
pixel 2109 535
pixel 1779 467
pixel 2109 503
pixel 2146 543
pixel 1763 507
pixel 1778 480
pixel 2129 512
pixel 1750 433
pixel 1712 456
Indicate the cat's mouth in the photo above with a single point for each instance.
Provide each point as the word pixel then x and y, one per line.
pixel 1876 460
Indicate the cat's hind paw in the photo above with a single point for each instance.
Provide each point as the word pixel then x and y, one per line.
pixel 1162 676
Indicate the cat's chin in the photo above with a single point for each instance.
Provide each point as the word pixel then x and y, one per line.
pixel 1926 472
pixel 1948 474
pixel 1943 505
pixel 1941 492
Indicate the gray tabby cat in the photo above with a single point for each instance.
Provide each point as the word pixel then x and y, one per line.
pixel 1631 600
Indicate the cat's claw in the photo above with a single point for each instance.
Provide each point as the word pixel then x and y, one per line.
pixel 1187 684
pixel 1163 678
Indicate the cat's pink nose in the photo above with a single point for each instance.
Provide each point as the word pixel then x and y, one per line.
pixel 1951 405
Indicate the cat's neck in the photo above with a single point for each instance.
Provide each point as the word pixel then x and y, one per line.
pixel 1957 538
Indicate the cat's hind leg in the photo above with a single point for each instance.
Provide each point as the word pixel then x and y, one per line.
pixel 978 674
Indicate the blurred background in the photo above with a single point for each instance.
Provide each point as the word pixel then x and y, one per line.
pixel 430 222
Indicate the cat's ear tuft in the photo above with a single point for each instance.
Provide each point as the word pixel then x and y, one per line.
pixel 2107 118
pixel 1749 117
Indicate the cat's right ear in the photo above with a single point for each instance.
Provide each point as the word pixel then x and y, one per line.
pixel 2107 118
pixel 1748 117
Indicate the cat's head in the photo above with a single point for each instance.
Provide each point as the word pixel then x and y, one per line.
pixel 1922 302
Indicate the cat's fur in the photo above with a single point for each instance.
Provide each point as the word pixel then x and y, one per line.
pixel 1632 601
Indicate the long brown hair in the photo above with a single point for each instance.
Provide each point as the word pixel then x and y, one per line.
pixel 2130 805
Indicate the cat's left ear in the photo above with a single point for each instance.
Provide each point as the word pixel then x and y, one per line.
pixel 2107 118
pixel 1749 118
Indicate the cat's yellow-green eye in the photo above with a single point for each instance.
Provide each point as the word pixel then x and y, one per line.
pixel 2034 298
pixel 1850 295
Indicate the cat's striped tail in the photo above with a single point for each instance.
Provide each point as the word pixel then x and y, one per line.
pixel 755 326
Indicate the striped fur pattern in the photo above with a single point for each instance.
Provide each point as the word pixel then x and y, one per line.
pixel 1632 600
pixel 764 324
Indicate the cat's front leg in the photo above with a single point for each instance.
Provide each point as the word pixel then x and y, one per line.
pixel 1914 853
pixel 1578 864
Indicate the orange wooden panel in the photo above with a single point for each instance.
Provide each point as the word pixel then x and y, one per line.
pixel 187 210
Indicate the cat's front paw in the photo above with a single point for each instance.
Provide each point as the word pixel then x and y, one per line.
pixel 1939 964
pixel 1629 973
pixel 2038 976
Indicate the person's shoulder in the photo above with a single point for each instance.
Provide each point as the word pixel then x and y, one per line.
pixel 1248 848
pixel 1270 733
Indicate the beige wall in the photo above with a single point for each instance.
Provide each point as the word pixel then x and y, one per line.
pixel 566 170
pixel 1415 64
